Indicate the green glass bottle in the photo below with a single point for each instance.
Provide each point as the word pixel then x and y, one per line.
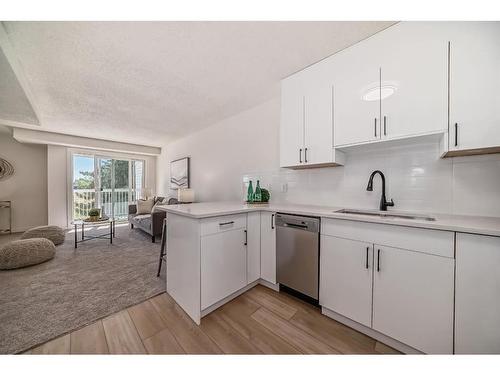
pixel 257 197
pixel 250 192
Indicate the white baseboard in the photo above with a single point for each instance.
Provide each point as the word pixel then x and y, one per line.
pixel 370 332
pixel 269 285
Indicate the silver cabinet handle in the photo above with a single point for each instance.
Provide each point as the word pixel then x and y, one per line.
pixel 305 155
pixel 272 221
pixel 367 251
pixel 375 127
pixel 300 156
pixel 385 123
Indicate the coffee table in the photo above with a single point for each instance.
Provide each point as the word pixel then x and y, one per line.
pixel 82 224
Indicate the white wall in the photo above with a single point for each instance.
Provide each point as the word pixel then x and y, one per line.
pixel 58 186
pixel 246 146
pixel 222 153
pixel 27 188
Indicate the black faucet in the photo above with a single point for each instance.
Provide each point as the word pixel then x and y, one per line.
pixel 383 201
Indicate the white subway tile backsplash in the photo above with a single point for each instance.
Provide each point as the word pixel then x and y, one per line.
pixel 476 187
pixel 416 178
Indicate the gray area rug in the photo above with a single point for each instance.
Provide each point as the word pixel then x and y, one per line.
pixel 76 288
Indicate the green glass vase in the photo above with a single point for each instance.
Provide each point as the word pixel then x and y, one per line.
pixel 250 192
pixel 257 197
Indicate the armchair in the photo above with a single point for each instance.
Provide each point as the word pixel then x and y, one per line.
pixel 151 223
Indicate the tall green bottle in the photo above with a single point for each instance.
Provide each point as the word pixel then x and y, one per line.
pixel 257 197
pixel 250 192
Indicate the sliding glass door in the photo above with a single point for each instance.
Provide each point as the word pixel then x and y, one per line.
pixel 106 183
pixel 84 187
pixel 103 185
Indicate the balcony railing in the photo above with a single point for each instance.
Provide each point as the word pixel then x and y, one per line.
pixel 86 199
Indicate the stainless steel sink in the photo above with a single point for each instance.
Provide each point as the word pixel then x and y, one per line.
pixel 386 215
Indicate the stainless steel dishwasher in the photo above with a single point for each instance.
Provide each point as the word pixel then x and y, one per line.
pixel 297 254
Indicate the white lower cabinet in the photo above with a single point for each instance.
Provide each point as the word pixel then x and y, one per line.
pixel 477 302
pixel 253 247
pixel 405 294
pixel 223 265
pixel 413 298
pixel 268 247
pixel 346 270
pixel 236 250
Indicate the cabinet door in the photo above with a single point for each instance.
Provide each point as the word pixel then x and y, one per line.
pixel 318 125
pixel 414 80
pixel 356 94
pixel 223 265
pixel 346 269
pixel 477 302
pixel 253 247
pixel 413 298
pixel 268 247
pixel 474 85
pixel 292 123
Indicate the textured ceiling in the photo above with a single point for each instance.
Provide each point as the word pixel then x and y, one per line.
pixel 14 105
pixel 151 82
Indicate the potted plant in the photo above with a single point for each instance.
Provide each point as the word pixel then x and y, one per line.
pixel 94 214
pixel 264 193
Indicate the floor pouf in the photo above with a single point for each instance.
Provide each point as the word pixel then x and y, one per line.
pixel 50 232
pixel 23 253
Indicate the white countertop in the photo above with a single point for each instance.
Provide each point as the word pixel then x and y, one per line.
pixel 455 223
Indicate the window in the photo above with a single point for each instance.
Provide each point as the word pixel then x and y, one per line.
pixel 106 183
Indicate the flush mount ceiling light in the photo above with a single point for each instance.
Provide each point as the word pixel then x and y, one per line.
pixel 378 93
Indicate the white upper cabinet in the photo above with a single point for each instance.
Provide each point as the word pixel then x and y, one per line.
pixel 318 125
pixel 292 122
pixel 392 85
pixel 413 58
pixel 474 86
pixel 306 135
pixel 356 92
pixel 414 79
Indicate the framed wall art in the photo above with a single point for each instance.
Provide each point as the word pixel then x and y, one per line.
pixel 179 174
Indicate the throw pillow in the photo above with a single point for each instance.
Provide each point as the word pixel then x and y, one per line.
pixel 144 206
pixel 156 205
pixel 159 200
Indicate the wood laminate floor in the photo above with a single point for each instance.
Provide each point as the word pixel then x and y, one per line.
pixel 261 321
